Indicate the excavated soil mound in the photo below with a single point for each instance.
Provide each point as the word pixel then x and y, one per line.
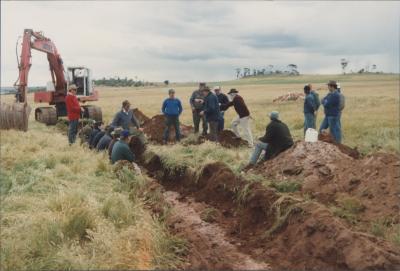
pixel 287 232
pixel 226 138
pixel 142 118
pixel 291 96
pixel 328 138
pixel 329 175
pixel 154 129
pixel 137 146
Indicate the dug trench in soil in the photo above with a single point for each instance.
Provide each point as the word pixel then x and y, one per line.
pixel 328 175
pixel 286 232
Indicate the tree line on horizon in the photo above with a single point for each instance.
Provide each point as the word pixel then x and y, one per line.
pixel 291 69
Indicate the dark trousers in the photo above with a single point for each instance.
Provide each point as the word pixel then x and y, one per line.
pixel 72 131
pixel 221 122
pixel 213 130
pixel 309 121
pixel 172 121
pixel 196 122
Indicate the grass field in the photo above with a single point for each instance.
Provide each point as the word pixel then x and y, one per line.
pixel 63 208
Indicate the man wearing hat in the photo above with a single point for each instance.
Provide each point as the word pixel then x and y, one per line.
pixel 222 100
pixel 171 109
pixel 121 150
pixel 243 119
pixel 277 139
pixel 197 105
pixel 73 113
pixel 331 103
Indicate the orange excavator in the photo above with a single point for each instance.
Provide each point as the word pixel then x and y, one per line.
pixel 16 116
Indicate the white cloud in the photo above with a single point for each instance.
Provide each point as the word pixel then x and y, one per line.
pixel 185 41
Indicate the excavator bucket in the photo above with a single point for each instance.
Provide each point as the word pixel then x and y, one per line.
pixel 14 116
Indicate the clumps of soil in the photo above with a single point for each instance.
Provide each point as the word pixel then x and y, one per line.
pixel 141 117
pixel 227 139
pixel 137 146
pixel 154 129
pixel 328 138
pixel 327 174
pixel 285 231
pixel 291 96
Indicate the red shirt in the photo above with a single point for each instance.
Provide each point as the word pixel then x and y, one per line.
pixel 73 107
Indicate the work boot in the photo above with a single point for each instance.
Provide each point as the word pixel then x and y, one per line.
pixel 164 142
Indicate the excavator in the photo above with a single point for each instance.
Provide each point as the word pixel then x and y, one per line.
pixel 16 116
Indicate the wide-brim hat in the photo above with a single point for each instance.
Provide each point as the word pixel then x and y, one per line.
pixel 233 90
pixel 72 86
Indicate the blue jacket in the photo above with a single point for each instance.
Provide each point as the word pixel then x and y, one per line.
pixel 309 104
pixel 125 120
pixel 172 107
pixel 104 142
pixel 121 151
pixel 211 107
pixel 331 104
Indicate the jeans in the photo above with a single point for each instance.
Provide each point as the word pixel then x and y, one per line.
pixel 196 121
pixel 221 122
pixel 334 127
pixel 213 130
pixel 309 121
pixel 72 131
pixel 244 123
pixel 260 146
pixel 172 121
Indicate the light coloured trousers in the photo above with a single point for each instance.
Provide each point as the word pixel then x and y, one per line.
pixel 244 124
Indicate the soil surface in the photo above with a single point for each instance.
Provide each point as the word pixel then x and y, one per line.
pixel 227 139
pixel 285 231
pixel 329 175
pixel 141 117
pixel 154 129
pixel 328 138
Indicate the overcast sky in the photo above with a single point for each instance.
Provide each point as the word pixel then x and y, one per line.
pixel 192 41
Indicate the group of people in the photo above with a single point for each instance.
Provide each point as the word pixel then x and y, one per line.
pixel 208 108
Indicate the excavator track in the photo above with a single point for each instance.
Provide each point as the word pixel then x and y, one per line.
pixel 46 115
pixel 92 112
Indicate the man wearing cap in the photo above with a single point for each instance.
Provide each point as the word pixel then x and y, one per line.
pixel 309 109
pixel 115 137
pixel 197 105
pixel 121 150
pixel 331 103
pixel 211 112
pixel 73 113
pixel 125 118
pixel 277 139
pixel 171 109
pixel 243 119
pixel 222 100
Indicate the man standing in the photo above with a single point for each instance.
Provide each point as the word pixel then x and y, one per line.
pixel 121 149
pixel 73 113
pixel 222 100
pixel 317 101
pixel 342 104
pixel 197 105
pixel 243 119
pixel 309 109
pixel 125 118
pixel 211 112
pixel 277 139
pixel 171 109
pixel 331 103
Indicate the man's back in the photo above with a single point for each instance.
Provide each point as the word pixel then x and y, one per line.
pixel 278 135
pixel 121 151
pixel 103 142
pixel 196 95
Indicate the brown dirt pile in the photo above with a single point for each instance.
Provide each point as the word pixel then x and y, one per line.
pixel 291 96
pixel 288 232
pixel 227 139
pixel 154 129
pixel 328 174
pixel 137 146
pixel 328 138
pixel 142 118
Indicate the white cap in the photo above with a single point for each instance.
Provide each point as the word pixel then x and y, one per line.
pixel 217 87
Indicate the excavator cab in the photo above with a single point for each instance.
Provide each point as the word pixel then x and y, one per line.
pixel 81 77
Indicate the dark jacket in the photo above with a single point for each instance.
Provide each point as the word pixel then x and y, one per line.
pixel 222 99
pixel 172 107
pixel 104 142
pixel 121 151
pixel 96 139
pixel 211 107
pixel 110 146
pixel 278 137
pixel 125 120
pixel 195 105
pixel 239 105
pixel 331 104
pixel 309 104
pixel 93 134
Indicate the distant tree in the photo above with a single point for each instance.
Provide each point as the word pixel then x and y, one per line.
pixel 271 68
pixel 166 82
pixel 373 68
pixel 254 72
pixel 293 69
pixel 238 70
pixel 361 71
pixel 344 62
pixel 246 72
